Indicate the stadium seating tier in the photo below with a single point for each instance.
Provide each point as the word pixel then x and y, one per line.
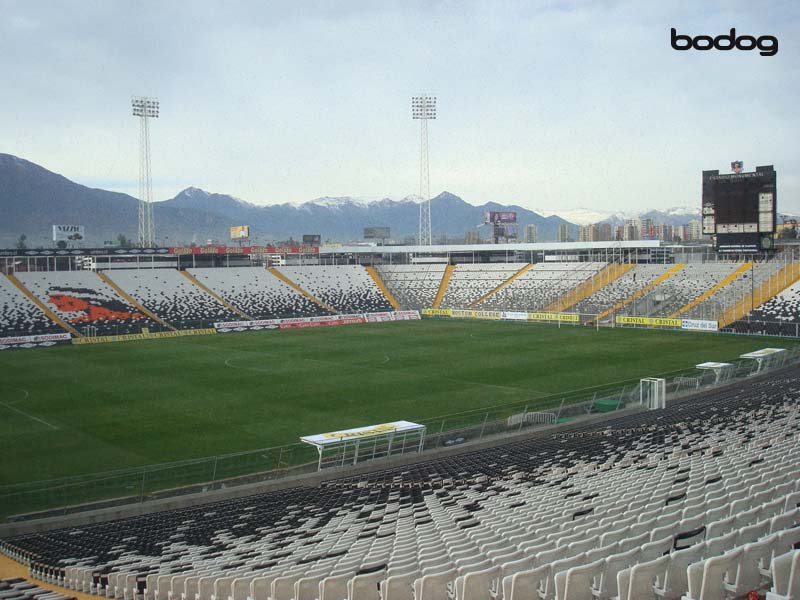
pixel 19 315
pixel 658 502
pixel 347 289
pixel 413 286
pixel 83 300
pixel 258 293
pixel 172 297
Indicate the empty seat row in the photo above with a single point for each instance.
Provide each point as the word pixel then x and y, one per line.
pixel 18 588
pixel 679 289
pixel 258 293
pixel 345 288
pixel 414 286
pixel 542 285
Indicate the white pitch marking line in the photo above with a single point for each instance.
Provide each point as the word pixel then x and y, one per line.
pixel 232 366
pixel 25 397
pixel 24 414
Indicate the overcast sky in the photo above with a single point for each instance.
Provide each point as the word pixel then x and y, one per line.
pixel 545 104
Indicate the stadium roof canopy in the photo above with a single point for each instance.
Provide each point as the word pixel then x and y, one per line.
pixel 518 247
pixel 351 446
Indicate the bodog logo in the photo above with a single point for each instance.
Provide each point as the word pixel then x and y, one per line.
pixel 767 44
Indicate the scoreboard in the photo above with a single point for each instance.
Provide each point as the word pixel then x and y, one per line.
pixel 739 210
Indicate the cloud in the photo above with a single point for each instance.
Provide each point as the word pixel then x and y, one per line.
pixel 541 103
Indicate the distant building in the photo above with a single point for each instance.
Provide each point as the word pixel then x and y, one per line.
pixel 630 231
pixel 596 232
pixel 562 233
pixel 647 230
pixel 695 231
pixel 601 232
pixel 472 236
pixel 531 233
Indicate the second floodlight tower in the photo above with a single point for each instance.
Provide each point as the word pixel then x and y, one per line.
pixel 145 108
pixel 423 108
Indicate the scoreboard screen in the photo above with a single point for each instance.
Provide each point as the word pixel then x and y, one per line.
pixel 736 204
pixel 739 209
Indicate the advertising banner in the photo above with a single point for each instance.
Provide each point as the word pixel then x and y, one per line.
pixel 333 437
pixel 655 321
pixel 312 239
pixel 257 325
pixel 496 315
pixel 379 317
pixel 476 314
pixel 341 320
pixel 437 312
pixel 377 233
pixel 514 316
pixel 323 321
pixel 497 218
pixel 199 250
pixel 69 233
pixel 261 323
pixel 563 317
pixel 699 325
pixel 240 232
pixel 406 315
pixel 104 339
pixel 34 341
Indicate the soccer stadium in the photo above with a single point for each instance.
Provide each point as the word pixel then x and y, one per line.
pixel 603 421
pixel 344 388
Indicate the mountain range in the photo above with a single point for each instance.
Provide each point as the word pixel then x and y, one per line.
pixel 33 199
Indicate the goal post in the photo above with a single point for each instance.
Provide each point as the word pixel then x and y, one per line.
pixel 653 392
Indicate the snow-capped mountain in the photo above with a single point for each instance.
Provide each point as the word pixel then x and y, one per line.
pixel 679 211
pixel 34 198
pixel 679 215
pixel 334 203
pixel 582 216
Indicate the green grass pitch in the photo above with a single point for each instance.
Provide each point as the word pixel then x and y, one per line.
pixel 65 411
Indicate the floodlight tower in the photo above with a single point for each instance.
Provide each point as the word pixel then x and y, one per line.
pixel 145 108
pixel 423 108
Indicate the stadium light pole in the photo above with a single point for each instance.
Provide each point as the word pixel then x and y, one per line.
pixel 423 108
pixel 145 108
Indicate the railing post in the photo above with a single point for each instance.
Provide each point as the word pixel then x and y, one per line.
pixel 522 421
pixel 141 491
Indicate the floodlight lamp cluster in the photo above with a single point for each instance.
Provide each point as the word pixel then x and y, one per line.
pixel 144 107
pixel 423 107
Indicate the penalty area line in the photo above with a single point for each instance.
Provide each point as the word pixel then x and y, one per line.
pixel 30 416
